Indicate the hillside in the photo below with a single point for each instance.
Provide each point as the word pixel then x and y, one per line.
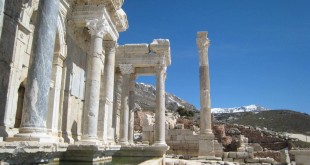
pixel 276 120
pixel 145 96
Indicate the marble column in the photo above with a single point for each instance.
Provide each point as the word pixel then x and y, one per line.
pixel 206 142
pixel 132 83
pixel 109 70
pixel 2 2
pixel 97 29
pixel 126 71
pixel 160 117
pixel 33 124
pixel 117 105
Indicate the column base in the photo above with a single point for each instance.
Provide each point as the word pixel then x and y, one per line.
pixel 206 145
pixel 123 143
pixel 159 143
pixel 6 131
pixel 88 141
pixel 32 134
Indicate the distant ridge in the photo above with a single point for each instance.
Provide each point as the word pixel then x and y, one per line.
pixel 249 108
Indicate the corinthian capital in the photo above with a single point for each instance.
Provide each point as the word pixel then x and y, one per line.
pixel 97 27
pixel 126 68
pixel 202 40
pixel 110 46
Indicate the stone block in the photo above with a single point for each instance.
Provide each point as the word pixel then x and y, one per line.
pixel 239 160
pixel 186 132
pixel 228 159
pixel 180 137
pixel 179 126
pixel 137 49
pixel 191 137
pixel 266 160
pixel 250 160
pixel 232 155
pixel 242 155
pixel 225 154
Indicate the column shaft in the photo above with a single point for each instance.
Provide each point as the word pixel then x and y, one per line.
pixel 131 108
pixel 95 66
pixel 109 70
pixel 126 70
pixel 117 105
pixel 206 141
pixel 205 103
pixel 160 117
pixel 38 80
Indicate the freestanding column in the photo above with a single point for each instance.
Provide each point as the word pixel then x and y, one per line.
pixel 160 117
pixel 33 124
pixel 97 29
pixel 109 70
pixel 126 70
pixel 206 142
pixel 131 108
pixel 117 105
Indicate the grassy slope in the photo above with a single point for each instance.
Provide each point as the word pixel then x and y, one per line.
pixel 277 120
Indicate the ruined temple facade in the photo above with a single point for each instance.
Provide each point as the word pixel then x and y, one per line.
pixel 60 70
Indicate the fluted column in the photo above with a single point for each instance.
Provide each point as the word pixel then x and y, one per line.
pixel 206 143
pixel 33 124
pixel 97 29
pixel 132 83
pixel 109 69
pixel 126 70
pixel 160 117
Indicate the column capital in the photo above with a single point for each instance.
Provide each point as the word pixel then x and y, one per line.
pixel 126 69
pixel 97 27
pixel 202 40
pixel 110 45
pixel 161 69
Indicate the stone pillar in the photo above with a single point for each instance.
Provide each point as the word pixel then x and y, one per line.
pixel 160 117
pixel 206 142
pixel 33 124
pixel 109 70
pixel 97 29
pixel 126 70
pixel 54 95
pixel 132 83
pixel 2 2
pixel 117 105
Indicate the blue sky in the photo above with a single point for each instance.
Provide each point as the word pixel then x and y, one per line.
pixel 259 53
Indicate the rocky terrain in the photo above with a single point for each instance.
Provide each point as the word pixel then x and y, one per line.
pixel 276 120
pixel 145 96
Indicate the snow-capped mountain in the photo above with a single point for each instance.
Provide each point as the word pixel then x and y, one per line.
pixel 249 108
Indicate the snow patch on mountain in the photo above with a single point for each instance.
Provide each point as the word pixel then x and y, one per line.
pixel 249 108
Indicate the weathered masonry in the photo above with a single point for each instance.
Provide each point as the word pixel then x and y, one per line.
pixel 60 67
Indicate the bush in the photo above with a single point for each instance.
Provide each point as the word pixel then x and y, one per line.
pixel 184 112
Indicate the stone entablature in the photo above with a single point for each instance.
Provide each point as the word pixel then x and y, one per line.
pixel 145 57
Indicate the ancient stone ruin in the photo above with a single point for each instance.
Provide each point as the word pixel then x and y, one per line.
pixel 67 91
